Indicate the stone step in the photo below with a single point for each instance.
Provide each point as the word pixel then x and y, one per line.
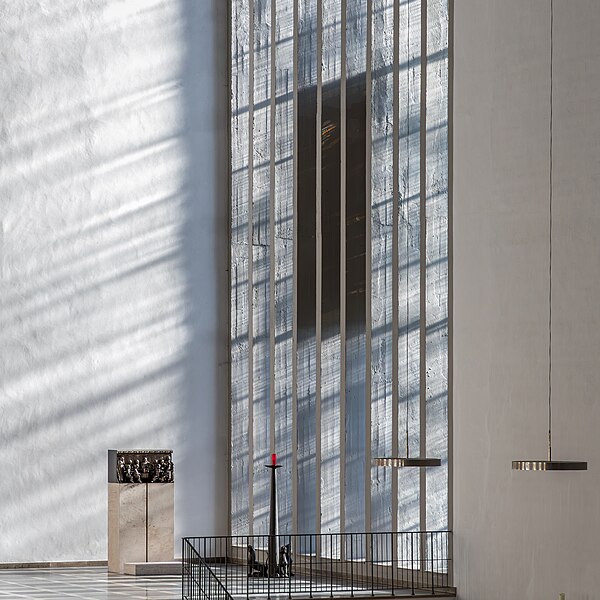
pixel 144 569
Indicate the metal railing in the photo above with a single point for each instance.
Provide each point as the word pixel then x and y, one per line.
pixel 198 580
pixel 318 565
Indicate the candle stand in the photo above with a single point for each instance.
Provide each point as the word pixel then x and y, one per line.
pixel 272 549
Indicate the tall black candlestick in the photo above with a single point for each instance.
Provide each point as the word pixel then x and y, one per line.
pixel 273 518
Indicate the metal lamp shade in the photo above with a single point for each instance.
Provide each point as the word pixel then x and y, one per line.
pixel 399 462
pixel 549 465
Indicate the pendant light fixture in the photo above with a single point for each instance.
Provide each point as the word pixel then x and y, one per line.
pixel 407 461
pixel 549 464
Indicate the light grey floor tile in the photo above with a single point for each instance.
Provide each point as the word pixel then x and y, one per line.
pixel 84 583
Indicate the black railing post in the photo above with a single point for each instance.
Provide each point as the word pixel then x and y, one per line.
pixel 372 565
pixel 449 563
pixel 247 569
pixel 392 555
pixel 292 551
pixel 432 569
pixel 226 561
pixel 351 567
pixel 412 564
pixel 422 560
pixel 445 565
pixel 310 564
pixel 331 564
pixel 207 582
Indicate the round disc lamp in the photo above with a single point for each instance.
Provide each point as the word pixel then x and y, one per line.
pixel 549 464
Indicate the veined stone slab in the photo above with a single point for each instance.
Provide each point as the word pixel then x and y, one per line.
pixel 126 524
pixel 160 522
pixel 140 524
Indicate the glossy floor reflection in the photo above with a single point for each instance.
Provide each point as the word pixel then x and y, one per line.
pixel 85 583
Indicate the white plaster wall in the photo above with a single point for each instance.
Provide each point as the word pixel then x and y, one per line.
pixel 525 535
pixel 113 257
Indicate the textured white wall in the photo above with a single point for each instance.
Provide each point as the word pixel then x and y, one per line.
pixel 525 535
pixel 113 257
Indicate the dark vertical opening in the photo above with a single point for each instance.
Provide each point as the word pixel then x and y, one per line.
pixel 356 182
pixel 307 305
pixel 330 210
pixel 307 212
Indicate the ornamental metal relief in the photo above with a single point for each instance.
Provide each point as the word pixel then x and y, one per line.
pixel 141 466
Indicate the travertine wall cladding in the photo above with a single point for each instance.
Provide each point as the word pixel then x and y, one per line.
pixel 113 246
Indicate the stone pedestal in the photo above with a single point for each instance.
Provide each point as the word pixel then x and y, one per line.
pixel 140 523
pixel 160 522
pixel 150 569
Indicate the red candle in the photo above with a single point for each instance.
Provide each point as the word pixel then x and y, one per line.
pixel 273 459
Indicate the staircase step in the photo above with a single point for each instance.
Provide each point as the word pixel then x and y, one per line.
pixel 144 569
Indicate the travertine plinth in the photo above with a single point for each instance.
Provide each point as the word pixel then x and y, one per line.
pixel 140 523
pixel 148 569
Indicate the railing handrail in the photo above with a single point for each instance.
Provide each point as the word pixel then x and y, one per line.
pixel 305 535
pixel 210 571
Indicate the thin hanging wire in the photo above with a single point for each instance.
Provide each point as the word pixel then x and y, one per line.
pixel 407 219
pixel 407 328
pixel 550 244
pixel 407 339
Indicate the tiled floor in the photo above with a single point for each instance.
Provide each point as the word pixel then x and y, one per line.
pixel 84 583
